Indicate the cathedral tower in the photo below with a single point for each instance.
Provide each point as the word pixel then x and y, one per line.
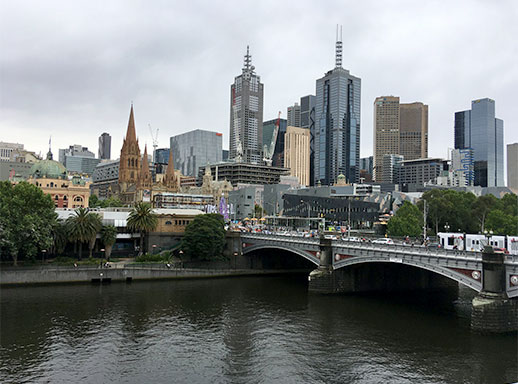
pixel 129 168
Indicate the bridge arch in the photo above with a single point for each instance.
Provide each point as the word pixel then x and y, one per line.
pixel 446 272
pixel 306 255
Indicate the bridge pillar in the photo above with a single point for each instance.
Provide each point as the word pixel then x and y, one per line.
pixel 323 279
pixel 493 311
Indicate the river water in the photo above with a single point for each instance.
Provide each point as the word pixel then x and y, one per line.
pixel 243 330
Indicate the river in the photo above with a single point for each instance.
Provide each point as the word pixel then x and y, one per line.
pixel 243 330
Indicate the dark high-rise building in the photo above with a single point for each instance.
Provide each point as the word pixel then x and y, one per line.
pixel 274 147
pixel 105 145
pixel 481 131
pixel 246 115
pixel 307 120
pixel 337 125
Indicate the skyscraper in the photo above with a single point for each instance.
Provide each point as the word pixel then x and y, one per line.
pixel 246 115
pixel 512 166
pixel 195 149
pixel 294 115
pixel 307 120
pixel 105 144
pixel 386 132
pixel 413 131
pixel 400 129
pixel 296 153
pixel 481 131
pixel 337 124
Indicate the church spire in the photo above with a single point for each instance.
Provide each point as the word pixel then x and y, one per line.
pixel 169 179
pixel 130 133
pixel 145 164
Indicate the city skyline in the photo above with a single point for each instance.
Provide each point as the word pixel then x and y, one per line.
pixel 75 94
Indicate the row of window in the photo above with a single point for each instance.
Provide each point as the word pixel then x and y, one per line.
pixel 178 222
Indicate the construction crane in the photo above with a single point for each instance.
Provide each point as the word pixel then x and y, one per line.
pixel 268 152
pixel 154 138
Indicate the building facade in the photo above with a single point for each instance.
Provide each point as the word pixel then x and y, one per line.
pixel 481 131
pixel 6 149
pixel 413 131
pixel 421 171
pixel 391 166
pixel 337 125
pixel 294 115
pixel 195 149
pixel 273 141
pixel 246 115
pixel 105 179
pixel 105 146
pixel 399 129
pixel 462 161
pixel 386 131
pixel 296 153
pixel 243 173
pixel 307 120
pixel 512 166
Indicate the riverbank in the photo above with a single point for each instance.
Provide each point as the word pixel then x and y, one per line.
pixel 73 275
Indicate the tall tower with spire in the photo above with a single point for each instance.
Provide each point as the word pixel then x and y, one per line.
pixel 246 115
pixel 130 161
pixel 337 123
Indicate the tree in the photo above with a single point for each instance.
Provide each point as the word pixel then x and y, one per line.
pixel 482 206
pixel 27 217
pixel 83 227
pixel 108 237
pixel 95 202
pixel 60 236
pixel 502 223
pixel 204 237
pixel 258 211
pixel 407 221
pixel 142 219
pixel 438 208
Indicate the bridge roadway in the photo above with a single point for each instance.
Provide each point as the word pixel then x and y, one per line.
pixel 464 267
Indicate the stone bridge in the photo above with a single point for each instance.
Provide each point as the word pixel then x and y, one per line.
pixel 493 275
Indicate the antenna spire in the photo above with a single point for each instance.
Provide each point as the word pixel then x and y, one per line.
pixel 248 61
pixel 338 46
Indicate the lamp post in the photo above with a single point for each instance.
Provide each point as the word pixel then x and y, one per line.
pixel 103 253
pixel 488 235
pixel 43 251
pixel 446 227
pixel 154 248
pixel 309 213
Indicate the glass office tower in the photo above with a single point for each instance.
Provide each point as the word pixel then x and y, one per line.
pixel 481 131
pixel 337 125
pixel 195 149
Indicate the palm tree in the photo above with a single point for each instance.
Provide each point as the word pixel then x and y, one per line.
pixel 60 234
pixel 142 219
pixel 108 237
pixel 83 227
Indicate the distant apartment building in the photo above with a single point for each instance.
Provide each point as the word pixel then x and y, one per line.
pixel 480 130
pixel 462 161
pixel 105 179
pixel 78 159
pixel 399 129
pixel 512 166
pixel 366 168
pixel 6 149
pixel 195 149
pixel 294 115
pixel 296 153
pixel 105 145
pixel 245 173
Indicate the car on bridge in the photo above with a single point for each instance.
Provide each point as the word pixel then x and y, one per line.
pixel 383 240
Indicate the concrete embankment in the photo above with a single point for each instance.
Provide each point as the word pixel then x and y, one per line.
pixel 48 275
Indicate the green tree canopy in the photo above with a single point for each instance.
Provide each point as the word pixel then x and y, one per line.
pixel 142 219
pixel 204 237
pixel 83 227
pixel 408 221
pixel 108 238
pixel 95 202
pixel 27 217
pixel 502 223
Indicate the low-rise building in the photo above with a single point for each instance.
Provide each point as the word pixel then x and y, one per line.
pixel 244 173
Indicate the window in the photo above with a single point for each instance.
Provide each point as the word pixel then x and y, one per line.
pixel 168 222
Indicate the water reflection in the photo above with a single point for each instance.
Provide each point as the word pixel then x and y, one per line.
pixel 243 330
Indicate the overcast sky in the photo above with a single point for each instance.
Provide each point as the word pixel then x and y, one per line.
pixel 71 69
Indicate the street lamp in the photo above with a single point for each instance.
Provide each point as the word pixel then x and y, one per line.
pixel 446 227
pixel 488 236
pixel 154 248
pixel 43 251
pixel 103 251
